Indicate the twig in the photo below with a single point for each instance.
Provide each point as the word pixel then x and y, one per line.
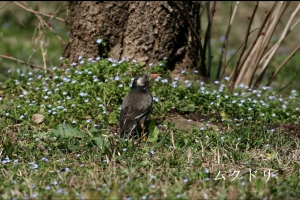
pixel 207 35
pixel 43 54
pixel 269 33
pixel 21 61
pixel 282 64
pixel 17 17
pixel 38 13
pixel 224 47
pixel 289 82
pixel 271 53
pixel 236 70
pixel 49 27
pixel 223 72
pixel 243 64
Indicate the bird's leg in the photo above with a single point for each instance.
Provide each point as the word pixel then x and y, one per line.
pixel 144 138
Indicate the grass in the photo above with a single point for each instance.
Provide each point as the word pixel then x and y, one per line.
pixel 74 152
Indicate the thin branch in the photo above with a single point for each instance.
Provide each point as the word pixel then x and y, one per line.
pixel 49 27
pixel 269 33
pixel 224 47
pixel 38 13
pixel 21 61
pixel 284 34
pixel 208 34
pixel 236 70
pixel 243 65
pixel 289 82
pixel 223 72
pixel 282 64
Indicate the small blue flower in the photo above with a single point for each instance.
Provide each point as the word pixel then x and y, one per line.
pixel 83 94
pixel 47 187
pixel 152 152
pixel 16 161
pixel 67 169
pixel 45 159
pixel 35 195
pixel 54 183
pixel 99 40
pixel 155 99
pixel 59 191
pixel 6 160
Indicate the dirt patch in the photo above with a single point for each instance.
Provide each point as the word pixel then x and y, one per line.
pixel 292 129
pixel 183 123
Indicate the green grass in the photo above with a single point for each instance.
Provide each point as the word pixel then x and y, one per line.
pixel 75 153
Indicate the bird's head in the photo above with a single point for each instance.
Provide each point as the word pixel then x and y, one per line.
pixel 143 80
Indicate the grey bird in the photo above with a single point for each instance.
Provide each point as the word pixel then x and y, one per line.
pixel 136 106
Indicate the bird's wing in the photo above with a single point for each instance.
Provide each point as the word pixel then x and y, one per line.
pixel 134 107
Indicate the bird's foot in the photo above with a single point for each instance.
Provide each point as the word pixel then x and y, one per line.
pixel 144 138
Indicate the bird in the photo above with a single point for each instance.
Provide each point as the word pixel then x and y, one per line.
pixel 136 106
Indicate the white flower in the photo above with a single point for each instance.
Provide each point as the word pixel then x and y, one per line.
pixel 99 40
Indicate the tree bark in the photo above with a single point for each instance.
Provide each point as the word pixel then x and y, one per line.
pixel 140 30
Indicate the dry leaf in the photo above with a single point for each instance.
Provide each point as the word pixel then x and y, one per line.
pixel 38 118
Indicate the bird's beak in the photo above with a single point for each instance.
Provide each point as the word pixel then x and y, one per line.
pixel 154 76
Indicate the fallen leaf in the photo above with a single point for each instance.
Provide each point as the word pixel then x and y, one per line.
pixel 38 118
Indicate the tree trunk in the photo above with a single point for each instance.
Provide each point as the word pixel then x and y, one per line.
pixel 140 30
